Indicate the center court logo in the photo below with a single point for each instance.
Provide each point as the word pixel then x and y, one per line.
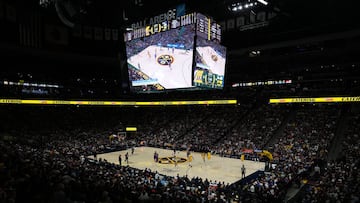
pixel 171 160
pixel 165 59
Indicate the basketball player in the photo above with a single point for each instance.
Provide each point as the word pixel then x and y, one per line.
pixel 169 62
pixel 243 170
pixel 156 157
pixel 120 159
pixel 203 156
pixel 175 161
pixel 127 158
pixel 190 158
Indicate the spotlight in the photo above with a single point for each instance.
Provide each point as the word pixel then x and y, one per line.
pixel 247 4
pixel 263 2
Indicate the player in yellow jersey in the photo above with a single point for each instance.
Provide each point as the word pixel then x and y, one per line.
pixel 203 156
pixel 190 159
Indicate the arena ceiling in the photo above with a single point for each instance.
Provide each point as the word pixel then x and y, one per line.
pixel 301 33
pixel 293 20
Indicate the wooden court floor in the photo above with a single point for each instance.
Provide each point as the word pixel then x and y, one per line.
pixel 216 168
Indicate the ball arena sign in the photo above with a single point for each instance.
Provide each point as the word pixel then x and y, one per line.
pixel 171 160
pixel 167 16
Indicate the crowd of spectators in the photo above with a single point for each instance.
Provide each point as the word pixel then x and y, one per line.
pixel 43 154
pixel 304 144
pixel 63 173
pixel 338 180
pixel 212 127
pixel 57 173
pixel 175 127
pixel 254 130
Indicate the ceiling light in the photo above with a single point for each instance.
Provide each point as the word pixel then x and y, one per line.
pixel 236 7
pixel 263 2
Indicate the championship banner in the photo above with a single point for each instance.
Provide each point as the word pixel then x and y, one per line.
pixel 315 100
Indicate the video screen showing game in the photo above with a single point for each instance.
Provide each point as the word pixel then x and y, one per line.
pixel 161 61
pixel 210 58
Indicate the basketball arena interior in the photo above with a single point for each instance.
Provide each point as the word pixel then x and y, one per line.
pixel 205 101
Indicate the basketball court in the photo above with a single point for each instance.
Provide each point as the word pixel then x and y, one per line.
pixel 216 168
pixel 216 66
pixel 154 61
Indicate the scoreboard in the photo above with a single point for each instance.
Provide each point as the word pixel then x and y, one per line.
pixel 207 28
pixel 187 46
pixel 152 29
pixel 210 56
pixel 204 78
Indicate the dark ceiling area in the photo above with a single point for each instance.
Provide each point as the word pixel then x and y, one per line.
pixel 298 34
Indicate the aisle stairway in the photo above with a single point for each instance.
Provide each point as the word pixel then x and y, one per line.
pixel 336 147
pixel 279 132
